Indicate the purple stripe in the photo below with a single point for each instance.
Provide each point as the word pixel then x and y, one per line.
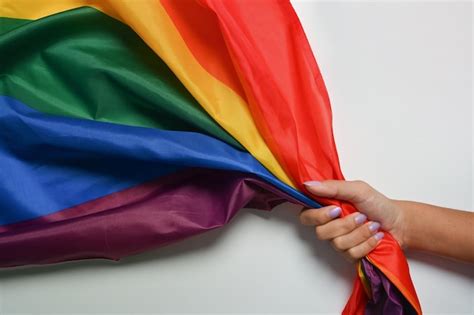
pixel 386 298
pixel 154 214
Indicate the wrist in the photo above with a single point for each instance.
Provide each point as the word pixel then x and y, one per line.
pixel 402 225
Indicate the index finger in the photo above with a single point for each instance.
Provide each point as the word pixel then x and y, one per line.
pixel 319 216
pixel 352 191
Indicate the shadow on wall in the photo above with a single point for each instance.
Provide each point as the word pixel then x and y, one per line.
pixel 444 264
pixel 286 213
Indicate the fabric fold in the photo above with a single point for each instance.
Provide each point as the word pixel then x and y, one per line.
pixel 152 23
pixel 153 214
pixel 50 163
pixel 85 64
pixel 241 72
pixel 289 103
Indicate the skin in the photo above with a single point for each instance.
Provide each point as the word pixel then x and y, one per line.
pixel 418 226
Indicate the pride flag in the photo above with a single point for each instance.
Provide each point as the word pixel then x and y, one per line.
pixel 127 125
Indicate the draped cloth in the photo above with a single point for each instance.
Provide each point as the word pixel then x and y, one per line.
pixel 127 125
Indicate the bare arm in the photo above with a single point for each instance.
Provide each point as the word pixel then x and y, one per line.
pixel 414 225
pixel 438 230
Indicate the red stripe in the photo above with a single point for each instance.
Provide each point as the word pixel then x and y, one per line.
pixel 285 92
pixel 198 28
pixel 357 301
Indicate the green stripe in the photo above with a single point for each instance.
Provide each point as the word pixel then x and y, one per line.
pixel 8 24
pixel 84 64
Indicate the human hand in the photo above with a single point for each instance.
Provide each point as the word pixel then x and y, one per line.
pixel 356 234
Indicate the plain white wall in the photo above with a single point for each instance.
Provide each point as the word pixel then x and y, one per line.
pixel 400 78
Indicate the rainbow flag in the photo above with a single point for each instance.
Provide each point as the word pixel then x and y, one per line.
pixel 127 125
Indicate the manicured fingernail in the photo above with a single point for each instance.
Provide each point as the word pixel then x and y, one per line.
pixel 312 183
pixel 374 226
pixel 379 236
pixel 360 218
pixel 334 213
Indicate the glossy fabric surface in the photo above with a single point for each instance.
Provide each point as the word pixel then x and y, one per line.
pixel 146 216
pixel 151 22
pixel 272 99
pixel 59 162
pixel 385 297
pixel 95 67
pixel 287 97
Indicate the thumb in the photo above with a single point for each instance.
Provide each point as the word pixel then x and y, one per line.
pixel 352 191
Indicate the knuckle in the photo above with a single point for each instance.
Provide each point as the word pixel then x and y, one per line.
pixel 361 184
pixel 348 224
pixel 308 217
pixel 319 233
pixel 338 244
pixel 372 242
pixel 364 189
pixel 317 218
pixel 303 217
pixel 353 253
pixel 366 232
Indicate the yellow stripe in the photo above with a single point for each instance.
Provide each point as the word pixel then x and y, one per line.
pixel 151 22
pixel 364 280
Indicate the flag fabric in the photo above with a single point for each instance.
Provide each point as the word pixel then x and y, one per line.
pixel 127 125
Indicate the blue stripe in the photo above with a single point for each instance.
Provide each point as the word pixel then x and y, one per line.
pixel 49 163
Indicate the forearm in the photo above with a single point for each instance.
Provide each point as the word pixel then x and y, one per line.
pixel 438 230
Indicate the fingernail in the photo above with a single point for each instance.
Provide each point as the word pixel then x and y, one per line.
pixel 374 226
pixel 360 218
pixel 334 213
pixel 379 236
pixel 312 183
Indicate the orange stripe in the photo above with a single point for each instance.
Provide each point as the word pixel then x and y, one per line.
pixel 151 22
pixel 363 279
pixel 395 280
pixel 200 31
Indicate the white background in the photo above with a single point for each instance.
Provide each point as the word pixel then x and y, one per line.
pixel 400 78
